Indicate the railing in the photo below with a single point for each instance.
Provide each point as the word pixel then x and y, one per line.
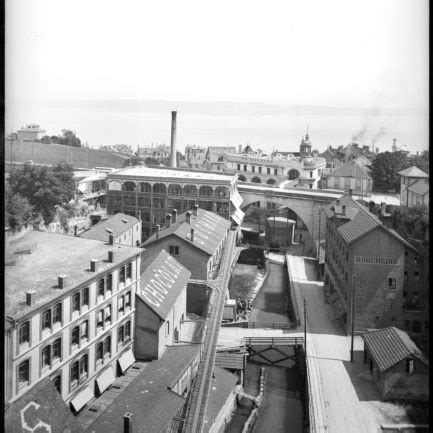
pixel 274 341
pixel 260 325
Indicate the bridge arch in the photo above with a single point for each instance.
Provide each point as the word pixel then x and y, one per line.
pixel 242 178
pixel 256 179
pixel 293 174
pixel 271 181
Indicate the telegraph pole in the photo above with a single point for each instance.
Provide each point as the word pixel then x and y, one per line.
pixel 352 308
pixel 305 327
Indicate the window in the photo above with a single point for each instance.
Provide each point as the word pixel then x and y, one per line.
pixel 416 260
pixel 108 314
pixel 107 346
pixel 109 283
pixel 167 328
pixel 57 349
pixel 24 373
pixel 46 319
pixel 57 313
pixel 405 277
pixel 121 304
pixel 24 333
pixel 85 297
pixel 122 275
pixel 311 174
pixel 311 186
pixel 57 382
pixel 127 331
pixel 260 170
pixel 76 302
pixel 275 171
pixel 253 168
pixel 101 287
pixel 79 370
pixel 410 366
pixel 245 167
pixel 84 330
pixel 416 277
pixel 124 334
pixel 80 333
pixel 99 352
pixel 268 170
pixel 239 167
pixel 392 283
pixel 83 366
pixel 128 300
pixel 75 336
pixel 46 356
pixel 129 270
pixel 100 320
pixel 406 256
pixel 174 250
pixel 120 336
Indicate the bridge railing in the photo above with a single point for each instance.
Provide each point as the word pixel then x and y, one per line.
pixel 273 341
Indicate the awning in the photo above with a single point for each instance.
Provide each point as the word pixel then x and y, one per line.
pixel 236 199
pixel 82 398
pixel 238 216
pixel 126 360
pixel 105 379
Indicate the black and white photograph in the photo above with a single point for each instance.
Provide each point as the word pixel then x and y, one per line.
pixel 216 216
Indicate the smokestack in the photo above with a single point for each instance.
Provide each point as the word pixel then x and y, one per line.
pixel 174 213
pixel 127 422
pixel 394 145
pixel 192 235
pixel 168 220
pixel 188 217
pixel 157 231
pixel 195 210
pixel 173 140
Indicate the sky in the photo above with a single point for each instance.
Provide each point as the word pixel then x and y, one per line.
pixel 370 53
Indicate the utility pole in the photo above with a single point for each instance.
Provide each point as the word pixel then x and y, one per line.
pixel 305 327
pixel 352 309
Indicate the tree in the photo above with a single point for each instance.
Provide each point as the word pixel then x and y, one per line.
pixel 68 138
pixel 385 168
pixel 420 161
pixel 44 187
pixel 133 160
pixel 18 211
pixel 411 221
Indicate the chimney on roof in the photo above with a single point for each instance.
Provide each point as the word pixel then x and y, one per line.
pixel 127 422
pixel 371 206
pixel 173 140
pixel 188 217
pixel 192 235
pixel 174 214
pixel 195 210
pixel 157 231
pixel 94 265
pixel 168 220
pixel 111 256
pixel 61 281
pixel 382 208
pixel 343 209
pixel 350 192
pixel 30 298
pixel 110 239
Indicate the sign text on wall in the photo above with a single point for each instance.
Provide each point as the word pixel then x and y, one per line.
pixel 362 260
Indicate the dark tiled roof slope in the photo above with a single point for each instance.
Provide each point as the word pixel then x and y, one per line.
pixel 118 223
pixel 389 346
pixel 49 408
pixel 209 230
pixel 148 398
pixel 169 273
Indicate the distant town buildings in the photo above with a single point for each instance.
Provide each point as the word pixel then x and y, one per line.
pixel 414 187
pixel 69 306
pixel 30 132
pixel 369 264
pixel 123 149
pixel 195 156
pixel 157 151
pixel 156 192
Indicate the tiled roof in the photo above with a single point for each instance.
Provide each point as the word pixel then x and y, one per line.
pixel 231 360
pixel 149 397
pixel 42 404
pixel 209 230
pixel 48 256
pixel 419 187
pixel 350 169
pixel 389 346
pixel 413 171
pixel 118 223
pixel 222 386
pixel 167 272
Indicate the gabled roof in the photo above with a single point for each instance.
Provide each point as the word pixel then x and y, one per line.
pixel 42 404
pixel 419 187
pixel 413 171
pixel 149 396
pixel 350 169
pixel 166 273
pixel 209 230
pixel 118 223
pixel 358 221
pixel 389 346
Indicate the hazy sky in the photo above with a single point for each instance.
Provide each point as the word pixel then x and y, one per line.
pixel 327 52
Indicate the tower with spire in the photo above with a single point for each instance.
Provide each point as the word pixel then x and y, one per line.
pixel 305 146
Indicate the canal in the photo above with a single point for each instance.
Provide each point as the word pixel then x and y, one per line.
pixel 282 407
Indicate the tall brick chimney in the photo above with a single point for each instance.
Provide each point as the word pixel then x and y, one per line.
pixel 195 210
pixel 174 214
pixel 173 140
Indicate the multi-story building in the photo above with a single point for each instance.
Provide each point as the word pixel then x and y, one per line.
pixel 214 159
pixel 125 229
pixel 157 191
pixel 350 175
pixel 195 156
pixel 196 239
pixel 160 305
pixel 69 307
pixel 372 265
pixel 30 132
pixel 414 187
pixel 158 152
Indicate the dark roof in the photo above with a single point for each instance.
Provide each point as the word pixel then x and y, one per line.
pixel 413 171
pixel 48 255
pixel 118 223
pixel 389 346
pixel 222 385
pixel 209 230
pixel 350 169
pixel 48 408
pixel 231 360
pixel 148 397
pixel 359 221
pixel 166 271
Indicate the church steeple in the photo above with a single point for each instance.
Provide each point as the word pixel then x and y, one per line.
pixel 305 147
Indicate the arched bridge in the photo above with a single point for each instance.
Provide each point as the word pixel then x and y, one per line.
pixel 306 203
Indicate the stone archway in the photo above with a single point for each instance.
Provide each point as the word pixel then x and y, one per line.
pixel 271 181
pixel 293 174
pixel 256 179
pixel 242 178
